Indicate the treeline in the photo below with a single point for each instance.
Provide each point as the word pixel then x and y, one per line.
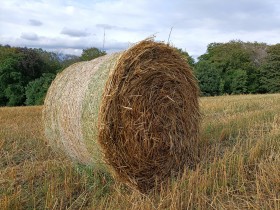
pixel 239 67
pixel 26 74
pixel 235 67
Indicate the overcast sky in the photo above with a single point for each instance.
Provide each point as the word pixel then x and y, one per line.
pixel 70 26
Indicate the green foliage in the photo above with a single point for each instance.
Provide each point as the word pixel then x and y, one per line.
pixel 25 73
pixel 36 90
pixel 21 66
pixel 91 53
pixel 29 63
pixel 50 61
pixel 15 94
pixel 11 83
pixel 69 60
pixel 270 70
pixel 234 67
pixel 239 82
pixel 238 64
pixel 209 78
pixel 187 57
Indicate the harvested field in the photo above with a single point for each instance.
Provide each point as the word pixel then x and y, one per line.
pixel 239 164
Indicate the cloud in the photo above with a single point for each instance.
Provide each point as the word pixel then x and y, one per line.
pixel 114 46
pixel 108 26
pixel 226 16
pixel 35 22
pixel 105 26
pixel 63 45
pixel 29 36
pixel 76 25
pixel 74 32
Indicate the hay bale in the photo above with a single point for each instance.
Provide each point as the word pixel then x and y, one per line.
pixel 136 111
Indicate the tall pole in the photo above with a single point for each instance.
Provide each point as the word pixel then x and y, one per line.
pixel 169 35
pixel 104 39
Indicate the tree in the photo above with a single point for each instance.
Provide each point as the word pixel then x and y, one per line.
pixel 69 60
pixel 51 62
pixel 238 64
pixel 91 53
pixel 270 70
pixel 239 82
pixel 36 90
pixel 11 83
pixel 19 66
pixel 187 57
pixel 15 94
pixel 209 78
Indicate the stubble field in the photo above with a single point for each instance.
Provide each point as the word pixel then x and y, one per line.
pixel 239 164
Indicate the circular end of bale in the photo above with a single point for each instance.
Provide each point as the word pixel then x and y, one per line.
pixel 149 116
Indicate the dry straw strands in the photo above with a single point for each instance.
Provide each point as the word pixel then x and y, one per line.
pixel 137 111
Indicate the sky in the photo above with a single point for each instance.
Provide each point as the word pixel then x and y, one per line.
pixel 71 26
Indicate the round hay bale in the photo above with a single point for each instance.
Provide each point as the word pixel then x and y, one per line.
pixel 135 112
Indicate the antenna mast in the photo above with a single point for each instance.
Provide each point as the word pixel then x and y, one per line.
pixel 104 39
pixel 169 34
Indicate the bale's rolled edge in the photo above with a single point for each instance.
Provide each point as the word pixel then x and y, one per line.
pixel 90 108
pixel 149 116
